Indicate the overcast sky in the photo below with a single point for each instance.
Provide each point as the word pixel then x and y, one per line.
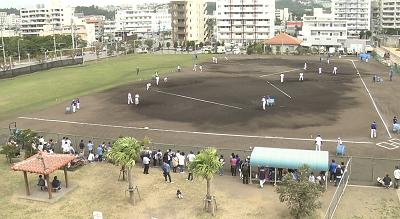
pixel 31 3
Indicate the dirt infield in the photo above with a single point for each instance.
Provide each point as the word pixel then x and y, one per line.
pixel 225 99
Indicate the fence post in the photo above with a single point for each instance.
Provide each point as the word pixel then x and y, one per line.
pixel 373 167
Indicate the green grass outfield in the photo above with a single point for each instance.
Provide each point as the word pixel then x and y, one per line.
pixel 38 91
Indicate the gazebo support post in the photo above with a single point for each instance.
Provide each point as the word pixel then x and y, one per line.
pixel 47 177
pixel 26 184
pixel 66 176
pixel 275 177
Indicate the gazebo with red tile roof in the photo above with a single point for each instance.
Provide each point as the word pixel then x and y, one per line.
pixel 283 39
pixel 44 163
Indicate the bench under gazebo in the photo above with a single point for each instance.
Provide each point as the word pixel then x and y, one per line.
pixel 44 163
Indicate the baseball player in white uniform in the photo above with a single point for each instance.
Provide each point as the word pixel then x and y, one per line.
pixel 137 99
pixel 130 98
pixel 213 59
pixel 301 78
pixel 166 80
pixel 318 143
pixel 305 66
pixel 328 59
pixel 319 70
pixel 334 70
pixel 195 67
pixel 148 86
pixel 264 101
pixel 226 57
pixel 201 68
pixel 282 76
pixel 157 79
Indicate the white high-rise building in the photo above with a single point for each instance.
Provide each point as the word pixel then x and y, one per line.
pixel 386 14
pixel 356 12
pixel 245 21
pixel 323 30
pixel 188 19
pixel 34 20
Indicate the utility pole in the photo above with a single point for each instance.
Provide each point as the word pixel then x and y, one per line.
pixel 72 34
pixel 4 52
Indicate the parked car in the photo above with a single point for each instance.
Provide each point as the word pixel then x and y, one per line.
pixel 236 51
pixel 179 48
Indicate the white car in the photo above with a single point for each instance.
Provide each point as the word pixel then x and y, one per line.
pixel 236 51
pixel 199 51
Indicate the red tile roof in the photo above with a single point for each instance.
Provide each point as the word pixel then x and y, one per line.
pixel 284 39
pixel 92 21
pixel 43 163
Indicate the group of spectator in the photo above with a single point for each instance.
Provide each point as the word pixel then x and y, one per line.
pixel 336 172
pixel 168 160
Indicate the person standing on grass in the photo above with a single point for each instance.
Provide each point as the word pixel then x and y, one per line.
pixel 373 130
pixel 73 104
pixel 181 159
pixel 137 70
pixel 179 68
pixel 82 146
pixel 261 175
pixel 233 165
pixel 190 159
pixel 332 168
pixel 246 172
pixel 90 146
pixel 175 163
pixel 146 161
pixel 78 103
pixel 154 156
pixel 396 175
pixel 130 98
pixel 338 175
pixel 100 152
pixel 221 169
pixel 165 168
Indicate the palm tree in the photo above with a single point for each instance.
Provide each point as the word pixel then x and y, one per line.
pixel 206 165
pixel 124 152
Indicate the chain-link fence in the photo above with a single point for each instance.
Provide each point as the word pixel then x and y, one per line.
pixel 339 190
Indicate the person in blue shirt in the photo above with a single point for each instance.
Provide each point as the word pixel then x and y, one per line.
pixel 394 120
pixel 391 74
pixel 165 168
pixel 100 152
pixel 373 130
pixel 90 146
pixel 261 175
pixel 73 104
pixel 332 168
pixel 373 78
pixel 237 164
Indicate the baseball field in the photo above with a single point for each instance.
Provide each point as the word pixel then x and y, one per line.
pixel 219 107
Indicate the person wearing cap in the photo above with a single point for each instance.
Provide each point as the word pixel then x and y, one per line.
pixel 339 142
pixel 264 102
pixel 78 103
pixel 394 120
pixel 396 175
pixel 318 143
pixel 136 99
pixel 130 98
pixel 373 130
pixel 179 68
pixel 282 77
pixel 73 104
pixel 137 70
pixel 157 79
pixel 148 86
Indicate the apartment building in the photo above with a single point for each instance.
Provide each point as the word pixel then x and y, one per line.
pixel 385 15
pixel 245 21
pixel 323 29
pixel 109 30
pixel 133 21
pixel 356 12
pixel 188 20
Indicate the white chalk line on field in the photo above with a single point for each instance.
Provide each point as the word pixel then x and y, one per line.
pixel 372 99
pixel 279 89
pixel 186 132
pixel 279 72
pixel 192 98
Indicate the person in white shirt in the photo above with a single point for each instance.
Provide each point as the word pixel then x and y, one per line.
pixel 181 162
pixel 318 143
pixel 301 78
pixel 137 99
pixel 305 66
pixel 148 86
pixel 195 67
pixel 68 142
pixel 91 157
pixel 62 143
pixel 190 158
pixel 146 161
pixel 130 98
pixel 311 178
pixel 334 70
pixel 282 76
pixel 339 141
pixel 201 68
pixel 157 79
pixel 264 102
pixel 319 70
pixel 396 177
